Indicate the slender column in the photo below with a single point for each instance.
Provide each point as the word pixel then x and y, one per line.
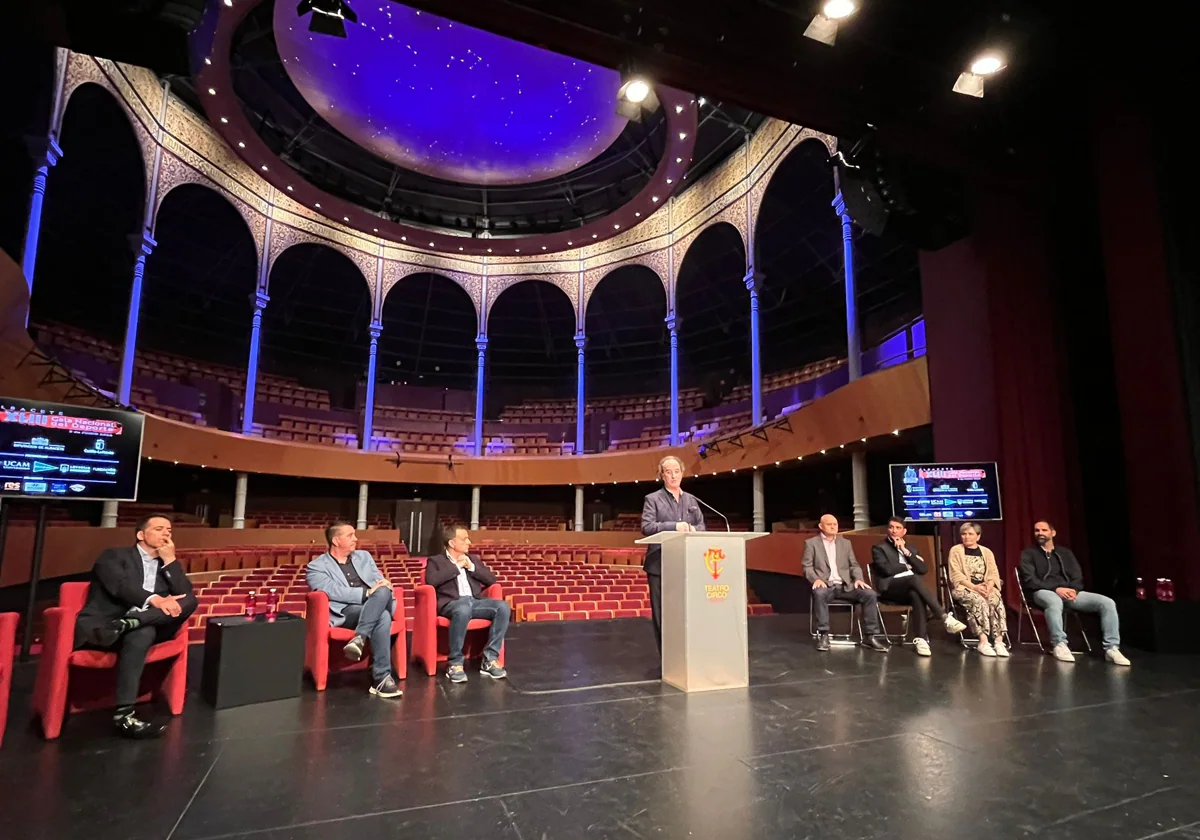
pixel 50 154
pixel 759 501
pixel 362 506
pixel 260 303
pixel 673 326
pixel 108 515
pixel 481 343
pixel 858 472
pixel 145 244
pixel 475 508
pixel 580 393
pixel 579 508
pixel 239 502
pixel 753 283
pixel 853 349
pixel 369 408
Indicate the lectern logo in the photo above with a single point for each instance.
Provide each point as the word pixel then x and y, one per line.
pixel 713 558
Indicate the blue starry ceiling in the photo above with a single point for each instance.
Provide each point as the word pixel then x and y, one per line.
pixel 450 101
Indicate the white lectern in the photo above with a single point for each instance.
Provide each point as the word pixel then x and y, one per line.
pixel 704 608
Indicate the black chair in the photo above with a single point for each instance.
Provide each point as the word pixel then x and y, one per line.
pixel 1027 613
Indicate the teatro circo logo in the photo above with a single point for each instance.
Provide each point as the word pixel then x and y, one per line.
pixel 714 560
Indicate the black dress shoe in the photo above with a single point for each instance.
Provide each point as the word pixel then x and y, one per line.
pixel 131 726
pixel 874 644
pixel 823 641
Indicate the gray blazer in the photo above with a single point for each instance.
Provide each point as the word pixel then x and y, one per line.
pixel 816 562
pixel 660 512
pixel 325 575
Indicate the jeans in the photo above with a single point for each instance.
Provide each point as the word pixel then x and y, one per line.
pixel 460 611
pixel 373 620
pixel 1052 604
pixel 865 598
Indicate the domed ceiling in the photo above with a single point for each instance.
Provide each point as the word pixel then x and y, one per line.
pixel 450 101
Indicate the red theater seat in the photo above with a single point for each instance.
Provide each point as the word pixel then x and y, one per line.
pixel 431 642
pixel 76 680
pixel 8 651
pixel 323 644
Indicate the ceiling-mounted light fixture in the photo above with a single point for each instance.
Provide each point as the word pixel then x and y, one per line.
pixel 636 95
pixel 329 17
pixel 824 26
pixel 970 81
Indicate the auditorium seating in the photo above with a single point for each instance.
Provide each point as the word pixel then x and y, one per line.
pixel 8 652
pixel 71 680
pixel 129 514
pixel 526 445
pixel 786 379
pixel 307 519
pixel 55 516
pixel 323 644
pixel 513 522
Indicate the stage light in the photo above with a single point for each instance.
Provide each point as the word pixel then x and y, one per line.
pixel 896 432
pixel 824 26
pixel 970 81
pixel 329 17
pixel 703 101
pixel 241 145
pixel 636 91
pixel 212 91
pixel 229 3
pixel 264 167
pixel 635 96
pixel 864 440
pixel 208 61
pixel 654 199
pixel 838 9
pixel 225 119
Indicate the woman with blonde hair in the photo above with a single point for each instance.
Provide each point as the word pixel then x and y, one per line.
pixel 975 583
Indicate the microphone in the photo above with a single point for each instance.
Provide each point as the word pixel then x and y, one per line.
pixel 714 510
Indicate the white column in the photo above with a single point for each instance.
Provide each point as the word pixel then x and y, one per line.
pixel 760 507
pixel 579 508
pixel 362 506
pixel 475 508
pixel 239 502
pixel 108 515
pixel 858 470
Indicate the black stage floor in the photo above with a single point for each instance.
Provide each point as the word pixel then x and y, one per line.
pixel 849 744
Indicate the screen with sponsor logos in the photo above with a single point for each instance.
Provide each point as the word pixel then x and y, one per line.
pixel 946 492
pixel 52 451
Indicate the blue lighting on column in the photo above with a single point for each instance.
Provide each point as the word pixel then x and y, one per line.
pixel 33 230
pixel 580 391
pixel 481 343
pixel 260 303
pixel 369 408
pixel 146 244
pixel 673 326
pixel 853 350
pixel 753 284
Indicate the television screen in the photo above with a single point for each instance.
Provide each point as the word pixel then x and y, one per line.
pixel 945 492
pixel 53 451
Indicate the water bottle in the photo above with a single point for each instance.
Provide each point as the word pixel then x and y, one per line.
pixel 1159 589
pixel 1168 591
pixel 1140 590
pixel 272 604
pixel 251 606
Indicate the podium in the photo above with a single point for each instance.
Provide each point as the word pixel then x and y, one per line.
pixel 704 608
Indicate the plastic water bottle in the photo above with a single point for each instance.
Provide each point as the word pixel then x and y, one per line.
pixel 1140 590
pixel 272 604
pixel 251 605
pixel 1168 593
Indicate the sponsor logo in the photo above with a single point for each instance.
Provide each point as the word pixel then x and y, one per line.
pixel 77 488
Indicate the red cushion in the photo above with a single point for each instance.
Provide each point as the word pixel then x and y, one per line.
pixel 473 624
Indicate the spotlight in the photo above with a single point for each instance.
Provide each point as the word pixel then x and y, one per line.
pixel 824 26
pixel 970 81
pixel 635 96
pixel 328 16
pixel 702 451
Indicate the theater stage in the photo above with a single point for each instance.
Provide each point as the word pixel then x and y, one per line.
pixel 849 744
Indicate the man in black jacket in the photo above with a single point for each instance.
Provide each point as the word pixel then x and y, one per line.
pixel 459 579
pixel 898 571
pixel 1053 580
pixel 139 596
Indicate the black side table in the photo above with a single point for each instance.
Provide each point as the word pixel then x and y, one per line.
pixel 252 660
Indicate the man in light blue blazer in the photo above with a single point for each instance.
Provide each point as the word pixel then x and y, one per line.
pixel 360 599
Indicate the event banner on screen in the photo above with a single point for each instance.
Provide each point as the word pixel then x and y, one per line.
pixel 53 451
pixel 945 492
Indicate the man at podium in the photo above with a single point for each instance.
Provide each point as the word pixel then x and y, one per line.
pixel 666 509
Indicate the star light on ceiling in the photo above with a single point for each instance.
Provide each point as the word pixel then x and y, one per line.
pixel 451 101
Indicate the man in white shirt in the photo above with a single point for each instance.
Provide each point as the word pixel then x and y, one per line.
pixel 459 580
pixel 832 569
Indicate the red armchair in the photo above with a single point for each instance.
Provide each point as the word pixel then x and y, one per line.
pixel 431 632
pixel 8 650
pixel 71 680
pixel 321 639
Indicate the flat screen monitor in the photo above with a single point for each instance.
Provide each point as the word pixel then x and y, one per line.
pixel 967 492
pixel 65 452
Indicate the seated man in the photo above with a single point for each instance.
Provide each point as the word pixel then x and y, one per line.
pixel 360 599
pixel 459 580
pixel 139 596
pixel 1053 580
pixel 833 571
pixel 898 572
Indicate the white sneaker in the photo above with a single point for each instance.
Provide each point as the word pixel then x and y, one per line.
pixel 986 649
pixel 953 625
pixel 922 647
pixel 1115 656
pixel 1063 653
pixel 1000 649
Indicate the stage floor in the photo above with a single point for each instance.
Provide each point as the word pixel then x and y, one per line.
pixel 848 744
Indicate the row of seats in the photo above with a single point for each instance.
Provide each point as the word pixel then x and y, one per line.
pixel 424 415
pixel 786 379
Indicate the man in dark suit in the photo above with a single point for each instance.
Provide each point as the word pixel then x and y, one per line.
pixel 459 579
pixel 833 570
pixel 139 596
pixel 666 509
pixel 898 572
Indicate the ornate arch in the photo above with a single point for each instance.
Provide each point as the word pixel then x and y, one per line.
pixel 174 173
pixel 395 272
pixel 794 136
pixel 656 261
pixel 284 237
pixel 733 215
pixel 563 282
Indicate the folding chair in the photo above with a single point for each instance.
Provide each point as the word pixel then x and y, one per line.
pixel 837 638
pixel 1027 613
pixel 956 609
pixel 883 607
